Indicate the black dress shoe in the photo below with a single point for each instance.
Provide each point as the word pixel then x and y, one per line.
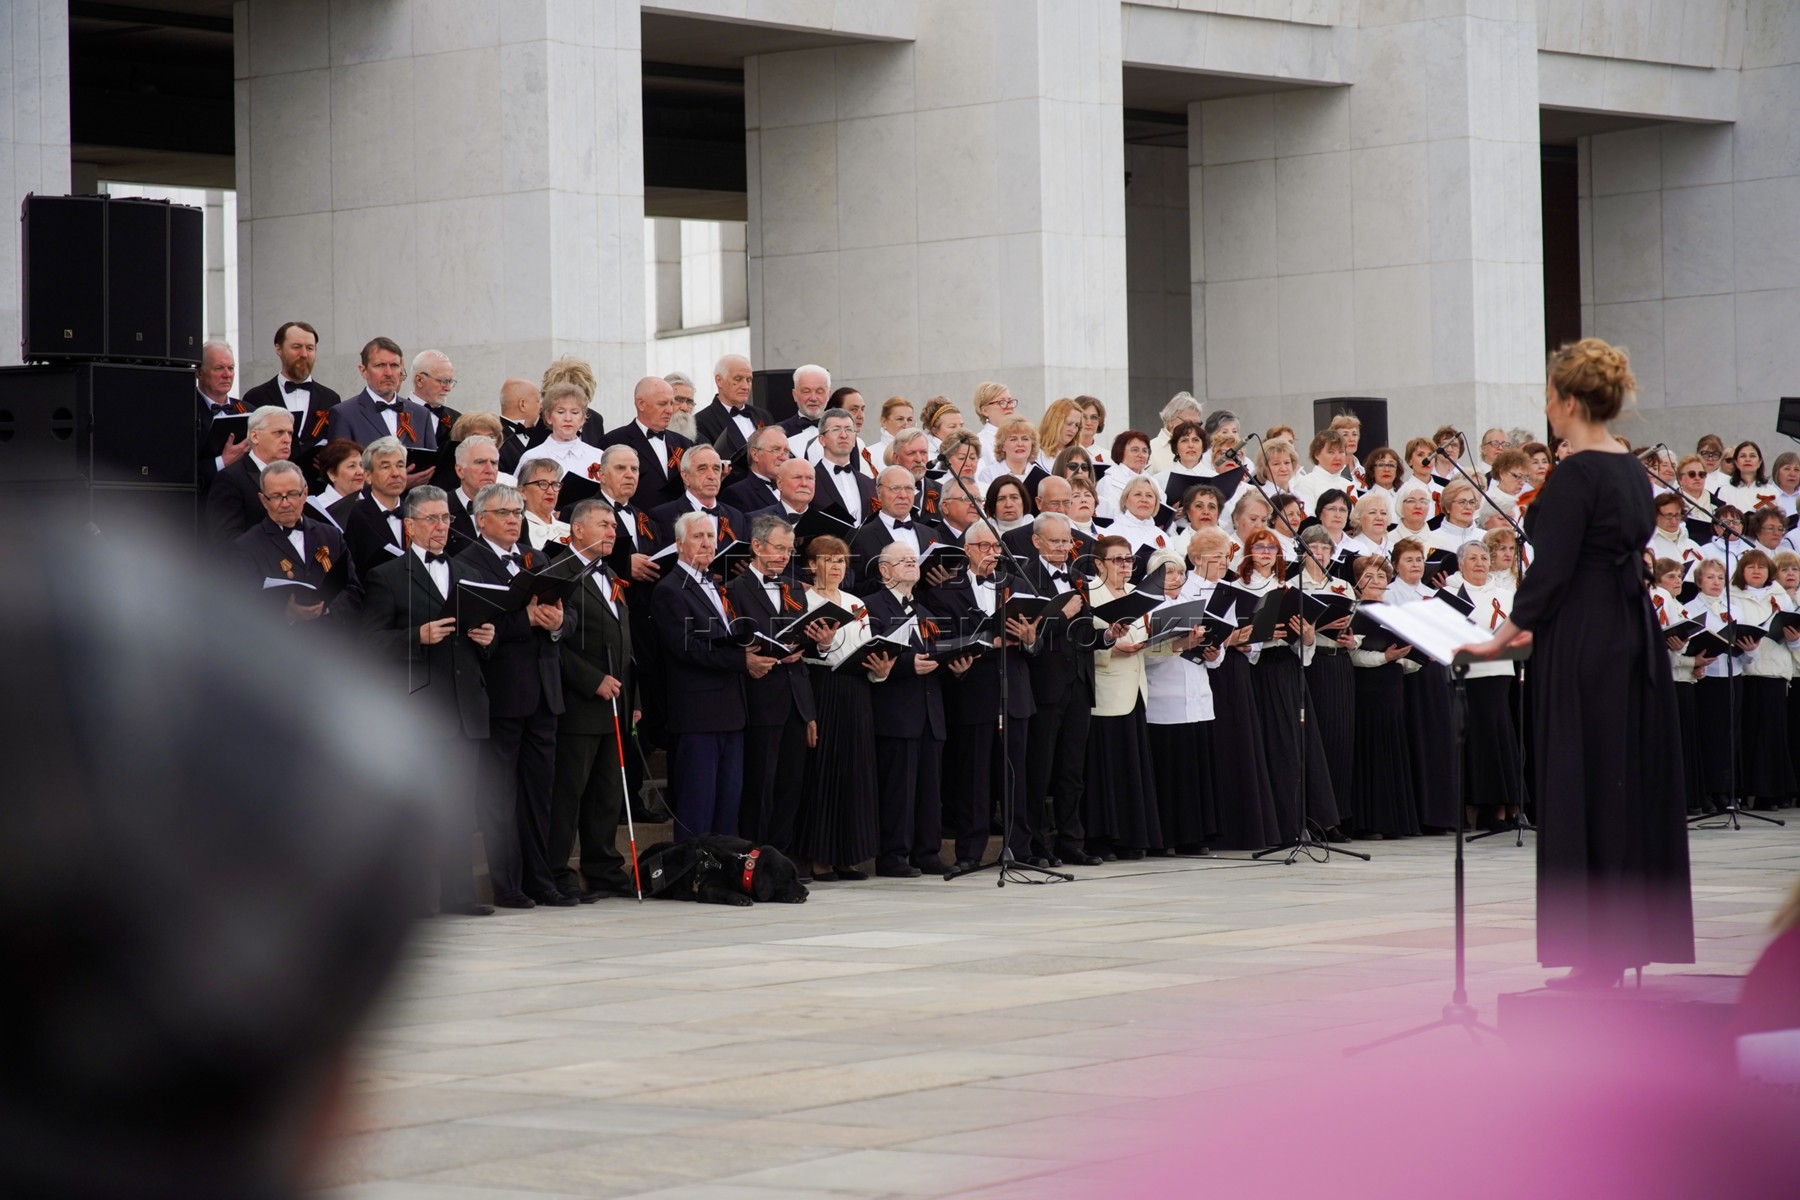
pixel 1336 836
pixel 850 874
pixel 586 897
pixel 1081 858
pixel 470 910
pixel 899 870
pixel 557 900
pixel 931 865
pixel 1161 852
pixel 1051 861
pixel 966 864
pixel 1128 855
pixel 515 901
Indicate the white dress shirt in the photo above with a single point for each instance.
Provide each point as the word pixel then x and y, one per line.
pixel 512 567
pixel 906 537
pixel 575 456
pixel 439 571
pixel 707 587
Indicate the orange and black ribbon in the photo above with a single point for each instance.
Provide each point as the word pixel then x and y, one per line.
pixel 1499 615
pixel 319 423
pixel 322 556
pixel 1662 617
pixel 725 527
pixel 404 427
pixel 643 526
pixel 594 472
pixel 725 603
pixel 789 601
pixel 1763 501
pixel 618 590
pixel 675 460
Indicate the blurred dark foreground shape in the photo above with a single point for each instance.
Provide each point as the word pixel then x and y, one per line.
pixel 211 850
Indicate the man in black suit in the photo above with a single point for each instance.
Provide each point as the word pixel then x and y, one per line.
pixel 1062 689
pixel 731 415
pixel 704 667
pixel 380 411
pixel 213 398
pixel 234 503
pixel 525 697
pixel 477 465
pixel 764 454
pixel 434 669
pixel 892 523
pixel 957 514
pixel 372 522
pixel 659 449
pixel 521 404
pixel 972 702
pixel 286 544
pixel 782 722
pixel 1054 495
pixel 702 472
pixel 294 388
pixel 839 481
pixel 599 687
pixel 909 726
pixel 433 378
pixel 812 396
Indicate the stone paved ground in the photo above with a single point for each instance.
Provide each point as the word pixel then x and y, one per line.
pixel 921 1038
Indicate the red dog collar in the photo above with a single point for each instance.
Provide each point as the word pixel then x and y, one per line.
pixel 750 868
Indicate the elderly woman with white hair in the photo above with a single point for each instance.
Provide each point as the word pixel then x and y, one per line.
pixel 540 480
pixel 1179 709
pixel 1181 409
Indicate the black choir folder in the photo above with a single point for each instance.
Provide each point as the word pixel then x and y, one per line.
pixel 224 426
pixel 473 603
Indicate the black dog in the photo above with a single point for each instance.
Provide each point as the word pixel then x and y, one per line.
pixel 712 869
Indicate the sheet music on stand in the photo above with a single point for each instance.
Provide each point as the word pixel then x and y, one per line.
pixel 1438 631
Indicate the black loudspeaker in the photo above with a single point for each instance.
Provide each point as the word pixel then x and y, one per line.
pixel 111 278
pixel 773 392
pixel 99 424
pixel 1787 417
pixel 62 272
pixel 1370 410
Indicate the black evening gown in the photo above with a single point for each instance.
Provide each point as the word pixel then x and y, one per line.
pixel 1240 771
pixel 838 823
pixel 1694 783
pixel 1381 791
pixel 1331 682
pixel 1762 738
pixel 1715 728
pixel 1431 746
pixel 1120 806
pixel 1184 800
pixel 1613 887
pixel 1492 767
pixel 1279 686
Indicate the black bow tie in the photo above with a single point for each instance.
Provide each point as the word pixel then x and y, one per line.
pixel 847 469
pixel 392 406
pixel 219 409
pixel 431 558
pixel 1060 576
pixel 708 511
pixel 906 607
pixel 288 385
pixel 903 524
pixel 515 558
pixel 730 411
pixel 622 509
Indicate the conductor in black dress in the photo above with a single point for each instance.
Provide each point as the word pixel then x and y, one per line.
pixel 1613 887
pixel 433 670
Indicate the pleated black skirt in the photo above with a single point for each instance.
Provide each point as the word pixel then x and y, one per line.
pixel 1242 793
pixel 1494 764
pixel 1693 782
pixel 1331 681
pixel 1381 791
pixel 1279 688
pixel 1431 745
pixel 838 821
pixel 1768 771
pixel 1180 758
pixel 1120 805
pixel 1716 727
pixel 1793 729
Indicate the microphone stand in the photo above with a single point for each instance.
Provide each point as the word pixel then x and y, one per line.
pixel 1008 867
pixel 1729 818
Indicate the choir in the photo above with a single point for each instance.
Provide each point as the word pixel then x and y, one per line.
pixel 876 658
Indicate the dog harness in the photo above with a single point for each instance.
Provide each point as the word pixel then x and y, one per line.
pixel 750 870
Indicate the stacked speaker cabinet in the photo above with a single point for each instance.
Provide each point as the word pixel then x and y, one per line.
pixel 111 278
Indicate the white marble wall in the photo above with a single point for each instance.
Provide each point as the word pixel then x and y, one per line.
pixel 451 173
pixel 1157 287
pixel 1381 239
pixel 34 131
pixel 927 215
pixel 1691 251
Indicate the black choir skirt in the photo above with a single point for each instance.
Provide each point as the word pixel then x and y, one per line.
pixel 1331 681
pixel 1716 731
pixel 1793 728
pixel 838 820
pixel 1494 764
pixel 1381 791
pixel 1242 794
pixel 1768 771
pixel 1431 745
pixel 1279 688
pixel 1180 757
pixel 1120 806
pixel 1693 780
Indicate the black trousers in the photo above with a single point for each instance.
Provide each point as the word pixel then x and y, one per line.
pixel 522 754
pixel 973 780
pixel 456 829
pixel 587 799
pixel 1056 774
pixel 908 771
pixel 774 782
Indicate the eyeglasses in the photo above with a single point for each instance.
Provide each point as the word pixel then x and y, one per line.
pixel 1114 560
pixel 1492 444
pixel 502 512
pixel 433 519
pixel 1712 454
pixel 283 497
pixel 1693 474
pixel 549 485
pixel 447 384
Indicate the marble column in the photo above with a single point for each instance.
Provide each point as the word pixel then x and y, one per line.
pixel 449 173
pixel 34 131
pixel 1380 239
pixel 927 215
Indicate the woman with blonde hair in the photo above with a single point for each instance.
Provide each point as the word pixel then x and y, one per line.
pixel 993 403
pixel 1060 429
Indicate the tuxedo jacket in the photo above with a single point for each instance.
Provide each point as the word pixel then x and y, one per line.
pixel 442 684
pixel 638 533
pixel 203 419
pixel 445 475
pixel 1019 542
pixel 798 423
pixel 787 689
pixel 713 420
pixel 368 532
pixel 702 666
pixel 906 704
pixel 462 521
pixel 825 493
pixel 515 440
pixel 871 540
pixel 311 427
pixel 975 698
pixel 659 478
pixel 234 502
pixel 734 526
pixel 265 551
pixel 359 420
pixel 599 646
pixel 750 494
pixel 522 666
pixel 1063 667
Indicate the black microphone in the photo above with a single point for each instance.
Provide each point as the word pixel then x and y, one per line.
pixel 1437 451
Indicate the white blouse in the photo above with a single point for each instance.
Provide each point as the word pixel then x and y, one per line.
pixel 1179 692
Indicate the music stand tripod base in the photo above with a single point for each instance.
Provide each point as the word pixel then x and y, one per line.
pixel 1727 818
pixel 1006 862
pixel 1308 845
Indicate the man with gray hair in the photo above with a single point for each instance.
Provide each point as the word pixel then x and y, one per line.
pixel 1182 407
pixel 756 488
pixel 232 505
pixel 372 521
pixel 893 522
pixel 731 415
pixel 840 482
pixel 682 421
pixel 659 448
pixel 812 395
pixel 291 556
pixel 213 377
pixel 433 377
pixel 477 465
pixel 701 474
pixel 524 688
